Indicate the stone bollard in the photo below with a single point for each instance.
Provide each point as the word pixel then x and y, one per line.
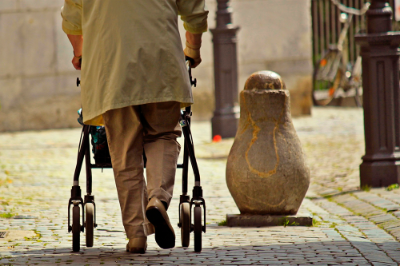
pixel 266 173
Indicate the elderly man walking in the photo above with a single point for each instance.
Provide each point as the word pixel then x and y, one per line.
pixel 134 82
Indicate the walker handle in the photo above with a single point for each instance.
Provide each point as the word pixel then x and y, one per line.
pixel 189 62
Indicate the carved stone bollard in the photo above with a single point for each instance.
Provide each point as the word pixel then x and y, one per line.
pixel 266 172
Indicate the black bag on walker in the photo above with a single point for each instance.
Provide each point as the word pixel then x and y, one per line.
pixel 99 143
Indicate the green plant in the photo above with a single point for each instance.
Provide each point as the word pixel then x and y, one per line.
pixel 366 188
pixel 34 238
pixel 223 223
pixel 286 222
pixel 328 197
pixel 7 215
pixel 316 223
pixel 392 186
pixel 311 197
pixel 333 225
pixel 38 234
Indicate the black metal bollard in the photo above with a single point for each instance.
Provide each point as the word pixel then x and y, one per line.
pixel 381 98
pixel 224 121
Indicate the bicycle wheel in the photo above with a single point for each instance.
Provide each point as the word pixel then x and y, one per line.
pixel 76 228
pixel 327 78
pixel 89 224
pixel 358 97
pixel 356 81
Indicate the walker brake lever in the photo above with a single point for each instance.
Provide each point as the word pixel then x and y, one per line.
pixel 78 81
pixel 193 82
pixel 189 62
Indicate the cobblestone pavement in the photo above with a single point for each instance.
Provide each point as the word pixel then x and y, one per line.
pixel 352 227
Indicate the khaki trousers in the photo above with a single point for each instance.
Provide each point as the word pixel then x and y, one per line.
pixel 153 127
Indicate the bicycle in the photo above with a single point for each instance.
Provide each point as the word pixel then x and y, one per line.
pixel 333 77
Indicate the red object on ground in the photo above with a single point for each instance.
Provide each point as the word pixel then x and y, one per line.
pixel 217 138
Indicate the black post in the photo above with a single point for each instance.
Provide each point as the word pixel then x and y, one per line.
pixel 224 122
pixel 381 98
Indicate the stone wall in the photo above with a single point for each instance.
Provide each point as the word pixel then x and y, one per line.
pixel 37 80
pixel 274 35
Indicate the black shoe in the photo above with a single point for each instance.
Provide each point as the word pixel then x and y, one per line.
pixel 157 215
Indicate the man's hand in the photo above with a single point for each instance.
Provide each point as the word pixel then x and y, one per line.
pixel 76 62
pixel 77 44
pixel 192 50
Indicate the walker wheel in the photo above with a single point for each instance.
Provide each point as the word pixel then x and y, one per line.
pixel 197 229
pixel 89 224
pixel 185 224
pixel 76 228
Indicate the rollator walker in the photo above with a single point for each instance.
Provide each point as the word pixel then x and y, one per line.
pixel 87 208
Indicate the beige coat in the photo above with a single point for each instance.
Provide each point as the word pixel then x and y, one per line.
pixel 132 52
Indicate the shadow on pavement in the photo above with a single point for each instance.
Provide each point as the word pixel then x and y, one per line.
pixel 313 252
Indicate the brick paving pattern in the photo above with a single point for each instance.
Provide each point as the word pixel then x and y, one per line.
pixel 352 227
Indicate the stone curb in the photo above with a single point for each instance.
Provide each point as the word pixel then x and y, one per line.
pixel 242 220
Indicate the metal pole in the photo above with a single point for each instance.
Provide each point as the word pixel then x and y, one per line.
pixel 381 98
pixel 224 121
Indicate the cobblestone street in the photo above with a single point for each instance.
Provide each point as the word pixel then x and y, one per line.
pixel 351 226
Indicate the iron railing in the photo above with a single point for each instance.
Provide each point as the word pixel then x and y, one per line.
pixel 326 27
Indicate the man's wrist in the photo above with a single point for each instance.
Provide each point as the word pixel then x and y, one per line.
pixel 77 56
pixel 193 46
pixel 193 38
